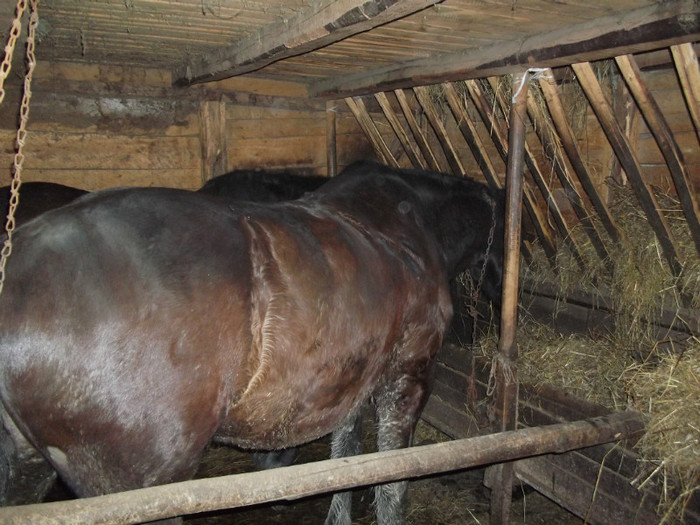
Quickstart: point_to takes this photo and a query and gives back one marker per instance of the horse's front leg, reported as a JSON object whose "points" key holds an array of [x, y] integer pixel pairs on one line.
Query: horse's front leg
{"points": [[399, 406], [346, 441]]}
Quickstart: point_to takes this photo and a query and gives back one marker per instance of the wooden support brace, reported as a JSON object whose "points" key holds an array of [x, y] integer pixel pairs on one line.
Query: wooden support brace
{"points": [[212, 136], [408, 146], [505, 363], [687, 68], [298, 481], [499, 140], [423, 96], [539, 178], [667, 144], [331, 140], [628, 160], [556, 110], [357, 106], [418, 134]]}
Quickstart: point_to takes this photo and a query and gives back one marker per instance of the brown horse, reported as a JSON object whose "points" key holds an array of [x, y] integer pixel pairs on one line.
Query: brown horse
{"points": [[138, 325]]}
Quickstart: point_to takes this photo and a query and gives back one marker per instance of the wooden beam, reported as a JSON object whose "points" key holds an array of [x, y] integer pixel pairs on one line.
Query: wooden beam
{"points": [[658, 25], [418, 134], [212, 137], [545, 131], [299, 481], [331, 139], [357, 106], [431, 112], [556, 110], [319, 25], [539, 178], [499, 140], [468, 130], [408, 145], [505, 366], [667, 144], [591, 87], [687, 67]]}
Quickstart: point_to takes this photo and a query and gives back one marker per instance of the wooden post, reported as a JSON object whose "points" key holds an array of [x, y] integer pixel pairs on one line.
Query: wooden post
{"points": [[212, 135], [331, 150], [505, 363], [298, 481]]}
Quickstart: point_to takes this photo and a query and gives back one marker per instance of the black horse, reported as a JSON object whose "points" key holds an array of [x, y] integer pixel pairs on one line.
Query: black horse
{"points": [[138, 325]]}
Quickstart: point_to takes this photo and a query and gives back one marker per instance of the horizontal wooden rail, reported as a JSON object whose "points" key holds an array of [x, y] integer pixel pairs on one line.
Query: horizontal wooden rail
{"points": [[299, 481]]}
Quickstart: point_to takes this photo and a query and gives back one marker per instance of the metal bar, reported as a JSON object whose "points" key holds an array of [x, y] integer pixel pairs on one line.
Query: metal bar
{"points": [[298, 481]]}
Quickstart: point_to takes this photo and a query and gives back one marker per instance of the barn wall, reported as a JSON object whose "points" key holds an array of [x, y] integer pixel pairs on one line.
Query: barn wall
{"points": [[95, 127]]}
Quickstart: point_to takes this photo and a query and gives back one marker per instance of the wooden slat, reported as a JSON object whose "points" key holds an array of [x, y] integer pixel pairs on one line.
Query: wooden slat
{"points": [[626, 156], [556, 110], [499, 140], [423, 96], [646, 28], [418, 134], [468, 130], [551, 146], [687, 67], [664, 138], [357, 106], [317, 26], [408, 145], [539, 178]]}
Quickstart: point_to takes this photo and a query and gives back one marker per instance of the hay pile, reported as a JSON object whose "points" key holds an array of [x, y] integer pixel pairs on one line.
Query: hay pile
{"points": [[636, 365]]}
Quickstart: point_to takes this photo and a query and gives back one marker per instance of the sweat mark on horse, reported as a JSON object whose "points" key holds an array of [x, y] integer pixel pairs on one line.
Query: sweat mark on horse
{"points": [[123, 355]]}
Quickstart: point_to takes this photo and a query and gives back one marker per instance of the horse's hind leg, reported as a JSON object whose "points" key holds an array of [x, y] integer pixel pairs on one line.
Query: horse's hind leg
{"points": [[25, 475], [398, 407], [347, 441]]}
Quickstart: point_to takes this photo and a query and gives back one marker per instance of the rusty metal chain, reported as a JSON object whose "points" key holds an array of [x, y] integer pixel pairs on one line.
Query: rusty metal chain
{"points": [[24, 117]]}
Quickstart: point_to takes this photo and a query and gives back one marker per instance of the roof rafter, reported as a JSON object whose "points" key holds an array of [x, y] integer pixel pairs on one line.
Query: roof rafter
{"points": [[658, 25], [321, 24]]}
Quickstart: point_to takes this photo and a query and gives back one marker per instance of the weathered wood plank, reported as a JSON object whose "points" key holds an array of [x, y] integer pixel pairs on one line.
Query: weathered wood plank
{"points": [[646, 28], [331, 140], [626, 156], [664, 138], [317, 26]]}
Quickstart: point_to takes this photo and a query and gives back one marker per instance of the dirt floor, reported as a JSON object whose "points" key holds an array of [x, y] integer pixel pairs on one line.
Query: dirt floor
{"points": [[451, 499]]}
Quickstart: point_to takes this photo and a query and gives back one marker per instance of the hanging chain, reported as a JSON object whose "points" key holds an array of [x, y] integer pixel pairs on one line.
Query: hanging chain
{"points": [[477, 290], [24, 117]]}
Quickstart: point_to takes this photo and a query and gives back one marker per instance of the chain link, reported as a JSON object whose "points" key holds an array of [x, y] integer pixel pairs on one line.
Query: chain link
{"points": [[24, 117]]}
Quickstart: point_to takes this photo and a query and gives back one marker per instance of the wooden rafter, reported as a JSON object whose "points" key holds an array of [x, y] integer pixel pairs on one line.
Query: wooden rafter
{"points": [[468, 130], [539, 178], [418, 134], [431, 112], [554, 152], [556, 111], [687, 68], [628, 160], [500, 141], [319, 25], [409, 147], [650, 27], [357, 106], [664, 138]]}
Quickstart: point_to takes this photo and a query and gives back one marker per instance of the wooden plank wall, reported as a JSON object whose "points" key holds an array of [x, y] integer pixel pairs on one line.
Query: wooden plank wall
{"points": [[95, 127]]}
